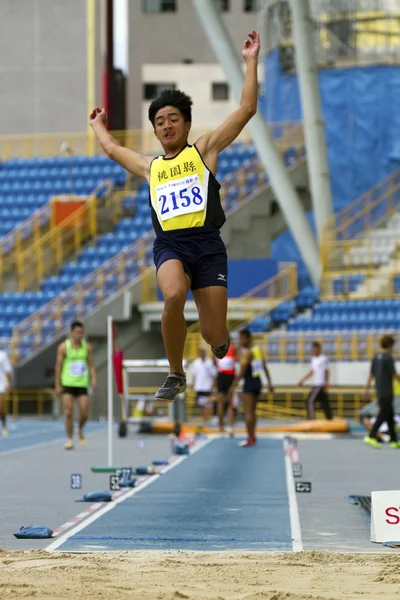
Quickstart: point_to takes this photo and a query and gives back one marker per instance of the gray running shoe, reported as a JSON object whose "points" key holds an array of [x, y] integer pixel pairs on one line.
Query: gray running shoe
{"points": [[174, 384], [221, 351]]}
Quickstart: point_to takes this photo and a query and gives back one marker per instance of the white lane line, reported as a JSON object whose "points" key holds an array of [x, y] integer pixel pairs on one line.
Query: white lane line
{"points": [[297, 542], [111, 505]]}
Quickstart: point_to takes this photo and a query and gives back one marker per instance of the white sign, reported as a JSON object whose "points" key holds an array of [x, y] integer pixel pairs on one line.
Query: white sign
{"points": [[385, 516]]}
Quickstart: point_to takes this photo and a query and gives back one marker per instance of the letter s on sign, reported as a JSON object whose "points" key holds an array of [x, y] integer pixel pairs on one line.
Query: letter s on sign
{"points": [[391, 512]]}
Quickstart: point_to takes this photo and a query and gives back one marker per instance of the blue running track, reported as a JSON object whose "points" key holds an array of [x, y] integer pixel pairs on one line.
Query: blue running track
{"points": [[221, 498], [28, 433]]}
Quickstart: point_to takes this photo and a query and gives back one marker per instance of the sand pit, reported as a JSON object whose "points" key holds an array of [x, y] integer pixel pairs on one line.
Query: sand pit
{"points": [[199, 576]]}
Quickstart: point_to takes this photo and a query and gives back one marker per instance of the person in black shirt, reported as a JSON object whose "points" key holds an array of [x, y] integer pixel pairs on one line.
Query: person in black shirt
{"points": [[383, 370]]}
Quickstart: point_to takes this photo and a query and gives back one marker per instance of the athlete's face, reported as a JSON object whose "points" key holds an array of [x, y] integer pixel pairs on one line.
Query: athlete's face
{"points": [[171, 129], [244, 341], [315, 351], [77, 334]]}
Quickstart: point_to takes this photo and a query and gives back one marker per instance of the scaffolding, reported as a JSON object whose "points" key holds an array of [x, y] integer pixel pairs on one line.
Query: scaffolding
{"points": [[347, 32]]}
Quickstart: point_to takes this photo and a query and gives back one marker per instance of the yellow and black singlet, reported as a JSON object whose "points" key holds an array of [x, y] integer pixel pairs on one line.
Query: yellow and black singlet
{"points": [[255, 368], [184, 194]]}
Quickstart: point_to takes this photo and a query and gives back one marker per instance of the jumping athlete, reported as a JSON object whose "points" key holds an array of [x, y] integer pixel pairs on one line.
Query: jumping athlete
{"points": [[74, 369], [187, 213], [251, 368]]}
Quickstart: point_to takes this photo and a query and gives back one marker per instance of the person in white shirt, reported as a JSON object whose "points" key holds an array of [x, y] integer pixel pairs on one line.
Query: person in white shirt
{"points": [[319, 392], [5, 387], [203, 373]]}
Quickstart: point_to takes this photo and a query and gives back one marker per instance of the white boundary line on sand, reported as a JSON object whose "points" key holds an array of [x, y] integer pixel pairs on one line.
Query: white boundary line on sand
{"points": [[110, 505], [297, 542]]}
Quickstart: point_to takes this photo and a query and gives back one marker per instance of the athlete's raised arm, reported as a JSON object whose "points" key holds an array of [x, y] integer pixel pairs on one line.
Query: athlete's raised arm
{"points": [[211, 144], [131, 161]]}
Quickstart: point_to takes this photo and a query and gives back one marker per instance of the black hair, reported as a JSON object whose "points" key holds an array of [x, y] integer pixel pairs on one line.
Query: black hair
{"points": [[245, 332], [174, 98], [316, 345], [387, 342], [76, 324]]}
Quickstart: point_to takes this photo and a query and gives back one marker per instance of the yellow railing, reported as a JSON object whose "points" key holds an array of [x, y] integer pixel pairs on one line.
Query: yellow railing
{"points": [[288, 403], [37, 230], [49, 252], [26, 233], [367, 210], [293, 346], [141, 140], [26, 401], [257, 301], [363, 284], [45, 145], [352, 247], [52, 319]]}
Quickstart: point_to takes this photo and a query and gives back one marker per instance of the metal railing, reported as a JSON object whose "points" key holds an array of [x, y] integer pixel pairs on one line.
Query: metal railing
{"points": [[288, 403], [82, 143], [49, 252], [366, 212], [293, 346], [51, 320], [34, 234], [26, 401], [257, 301], [352, 247]]}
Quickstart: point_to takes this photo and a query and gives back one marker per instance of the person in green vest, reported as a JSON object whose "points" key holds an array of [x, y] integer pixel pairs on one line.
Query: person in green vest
{"points": [[75, 369]]}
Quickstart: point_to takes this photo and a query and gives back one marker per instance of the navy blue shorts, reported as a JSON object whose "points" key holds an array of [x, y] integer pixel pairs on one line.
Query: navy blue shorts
{"points": [[201, 252], [252, 386]]}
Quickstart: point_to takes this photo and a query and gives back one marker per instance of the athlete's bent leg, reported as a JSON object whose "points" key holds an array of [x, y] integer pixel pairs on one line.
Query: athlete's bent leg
{"points": [[83, 403], [220, 405], [249, 405], [174, 284], [212, 304], [68, 405]]}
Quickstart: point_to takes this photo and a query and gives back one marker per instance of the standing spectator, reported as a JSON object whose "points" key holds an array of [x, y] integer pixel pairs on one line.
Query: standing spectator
{"points": [[226, 374], [383, 370], [5, 388], [203, 372], [319, 393]]}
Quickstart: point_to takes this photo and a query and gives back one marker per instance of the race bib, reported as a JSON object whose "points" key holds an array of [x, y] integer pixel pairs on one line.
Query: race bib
{"points": [[180, 197], [226, 364], [257, 366], [78, 368]]}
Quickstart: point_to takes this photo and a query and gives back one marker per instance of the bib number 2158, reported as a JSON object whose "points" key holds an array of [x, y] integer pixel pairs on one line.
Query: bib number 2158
{"points": [[186, 197]]}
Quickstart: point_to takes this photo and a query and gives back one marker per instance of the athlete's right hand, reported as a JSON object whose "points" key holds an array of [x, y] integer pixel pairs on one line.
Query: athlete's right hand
{"points": [[58, 390], [98, 115]]}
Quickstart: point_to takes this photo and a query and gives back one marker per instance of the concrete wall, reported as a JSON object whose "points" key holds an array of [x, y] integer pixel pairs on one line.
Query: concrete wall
{"points": [[169, 38], [43, 65], [196, 80], [250, 229]]}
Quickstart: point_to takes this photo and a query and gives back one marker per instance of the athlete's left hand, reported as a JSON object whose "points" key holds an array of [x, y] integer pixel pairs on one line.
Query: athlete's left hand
{"points": [[251, 47], [271, 389]]}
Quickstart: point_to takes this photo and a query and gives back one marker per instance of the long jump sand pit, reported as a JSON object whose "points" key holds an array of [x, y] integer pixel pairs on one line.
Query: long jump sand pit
{"points": [[199, 576]]}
